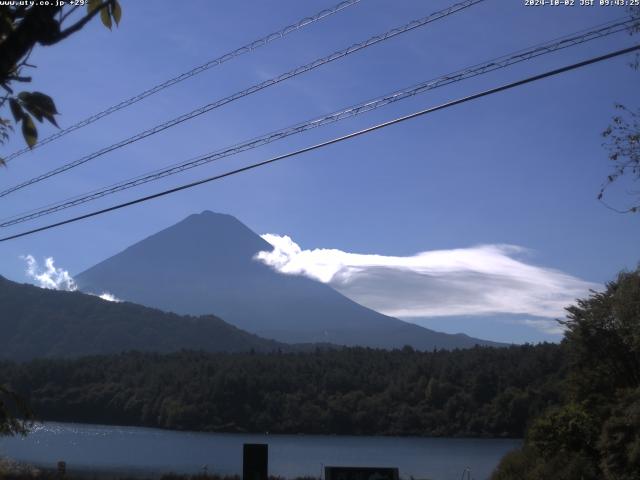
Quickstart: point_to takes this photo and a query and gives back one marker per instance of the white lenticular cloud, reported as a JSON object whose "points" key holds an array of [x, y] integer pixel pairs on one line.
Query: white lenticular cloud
{"points": [[54, 278], [545, 325], [481, 280]]}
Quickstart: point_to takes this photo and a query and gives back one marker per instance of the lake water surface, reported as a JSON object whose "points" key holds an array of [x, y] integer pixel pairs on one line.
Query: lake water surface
{"points": [[153, 451]]}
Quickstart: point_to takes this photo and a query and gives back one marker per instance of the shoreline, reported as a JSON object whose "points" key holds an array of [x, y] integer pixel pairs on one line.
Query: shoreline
{"points": [[271, 434]]}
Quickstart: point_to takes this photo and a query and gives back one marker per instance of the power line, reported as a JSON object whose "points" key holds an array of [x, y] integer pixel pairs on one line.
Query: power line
{"points": [[249, 47], [317, 146], [248, 91], [469, 72]]}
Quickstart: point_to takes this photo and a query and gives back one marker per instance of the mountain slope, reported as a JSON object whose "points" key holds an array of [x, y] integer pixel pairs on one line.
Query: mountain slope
{"points": [[35, 322], [204, 264]]}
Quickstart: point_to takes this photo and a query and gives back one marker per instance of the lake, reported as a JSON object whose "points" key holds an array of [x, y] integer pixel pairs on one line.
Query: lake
{"points": [[154, 451]]}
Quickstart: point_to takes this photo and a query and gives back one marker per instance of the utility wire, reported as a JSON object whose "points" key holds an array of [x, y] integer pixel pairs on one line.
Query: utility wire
{"points": [[253, 89], [317, 146], [249, 47], [469, 72]]}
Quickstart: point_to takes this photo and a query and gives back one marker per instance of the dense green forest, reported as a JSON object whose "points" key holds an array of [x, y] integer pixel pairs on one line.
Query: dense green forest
{"points": [[594, 433], [482, 391]]}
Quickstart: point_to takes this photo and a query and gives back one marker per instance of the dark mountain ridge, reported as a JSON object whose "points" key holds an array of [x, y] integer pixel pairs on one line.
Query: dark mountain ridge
{"points": [[35, 323], [205, 264]]}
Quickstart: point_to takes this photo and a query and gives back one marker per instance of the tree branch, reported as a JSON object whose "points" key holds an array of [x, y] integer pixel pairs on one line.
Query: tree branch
{"points": [[38, 25], [81, 23], [71, 10]]}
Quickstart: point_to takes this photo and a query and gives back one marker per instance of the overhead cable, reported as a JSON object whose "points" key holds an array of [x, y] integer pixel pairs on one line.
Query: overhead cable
{"points": [[317, 146], [466, 73], [249, 47], [248, 91]]}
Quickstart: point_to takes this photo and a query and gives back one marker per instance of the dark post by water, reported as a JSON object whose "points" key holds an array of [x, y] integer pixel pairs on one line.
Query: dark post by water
{"points": [[255, 461]]}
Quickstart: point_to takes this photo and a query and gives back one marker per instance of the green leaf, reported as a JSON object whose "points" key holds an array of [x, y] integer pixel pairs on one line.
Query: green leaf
{"points": [[29, 131], [39, 105], [16, 109], [51, 119], [44, 102], [92, 5], [33, 110], [116, 12], [105, 16]]}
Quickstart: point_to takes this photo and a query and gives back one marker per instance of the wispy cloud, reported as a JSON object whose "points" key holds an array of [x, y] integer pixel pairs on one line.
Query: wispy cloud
{"points": [[49, 277], [55, 278], [481, 280], [109, 297]]}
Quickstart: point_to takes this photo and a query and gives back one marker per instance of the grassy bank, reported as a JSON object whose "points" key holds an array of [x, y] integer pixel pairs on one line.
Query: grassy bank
{"points": [[10, 470]]}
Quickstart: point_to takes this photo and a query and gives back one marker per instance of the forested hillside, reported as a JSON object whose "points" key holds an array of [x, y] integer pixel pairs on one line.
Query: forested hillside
{"points": [[36, 323], [594, 434], [482, 391]]}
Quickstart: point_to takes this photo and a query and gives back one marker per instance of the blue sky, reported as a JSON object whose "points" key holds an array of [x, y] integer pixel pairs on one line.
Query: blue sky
{"points": [[519, 168]]}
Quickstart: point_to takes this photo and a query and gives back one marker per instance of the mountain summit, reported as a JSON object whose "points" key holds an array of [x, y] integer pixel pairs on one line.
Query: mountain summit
{"points": [[205, 265]]}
